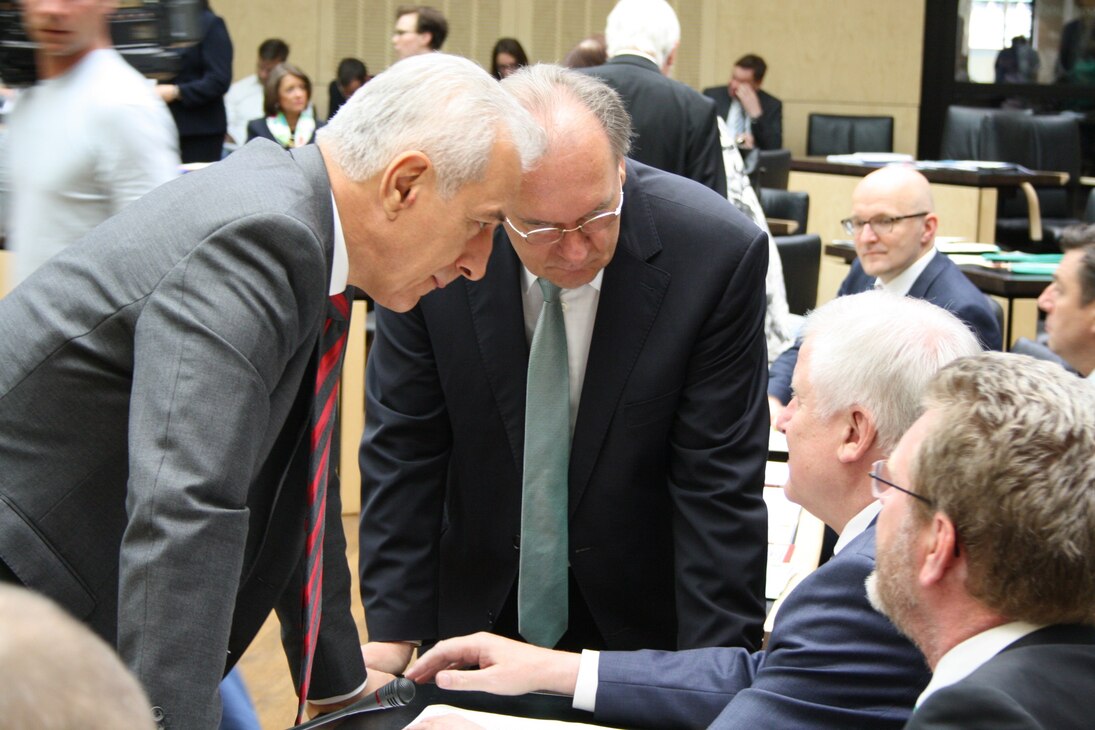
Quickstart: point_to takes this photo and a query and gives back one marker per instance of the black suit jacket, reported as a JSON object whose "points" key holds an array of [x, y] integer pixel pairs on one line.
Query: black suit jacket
{"points": [[1044, 681], [941, 283], [767, 129], [667, 524], [204, 76], [674, 125], [155, 394]]}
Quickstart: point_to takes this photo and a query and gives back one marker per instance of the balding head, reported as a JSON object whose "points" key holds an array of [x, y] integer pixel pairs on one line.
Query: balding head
{"points": [[898, 204]]}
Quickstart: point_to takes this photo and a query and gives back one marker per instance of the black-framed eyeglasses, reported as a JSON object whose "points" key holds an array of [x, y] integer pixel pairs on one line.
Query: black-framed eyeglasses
{"points": [[880, 484], [879, 224], [594, 224]]}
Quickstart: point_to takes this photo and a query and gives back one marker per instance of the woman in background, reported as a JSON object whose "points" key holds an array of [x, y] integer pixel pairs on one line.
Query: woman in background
{"points": [[507, 57], [289, 119]]}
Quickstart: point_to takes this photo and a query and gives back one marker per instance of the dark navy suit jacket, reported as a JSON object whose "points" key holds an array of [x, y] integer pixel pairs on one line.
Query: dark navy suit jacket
{"points": [[832, 661], [666, 520], [1044, 681], [768, 129], [941, 283]]}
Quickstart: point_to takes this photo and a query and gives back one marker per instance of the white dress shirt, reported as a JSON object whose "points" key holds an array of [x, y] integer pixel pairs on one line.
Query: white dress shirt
{"points": [[963, 659], [579, 313], [903, 282]]}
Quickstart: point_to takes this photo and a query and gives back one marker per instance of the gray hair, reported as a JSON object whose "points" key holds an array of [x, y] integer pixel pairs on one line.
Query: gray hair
{"points": [[446, 107], [647, 26], [543, 87], [879, 351], [1011, 461]]}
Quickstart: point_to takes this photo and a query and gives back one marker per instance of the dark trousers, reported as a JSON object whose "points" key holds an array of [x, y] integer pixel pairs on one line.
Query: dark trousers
{"points": [[201, 147]]}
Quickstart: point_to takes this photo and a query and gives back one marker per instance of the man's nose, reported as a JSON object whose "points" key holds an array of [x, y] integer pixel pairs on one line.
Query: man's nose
{"points": [[473, 264]]}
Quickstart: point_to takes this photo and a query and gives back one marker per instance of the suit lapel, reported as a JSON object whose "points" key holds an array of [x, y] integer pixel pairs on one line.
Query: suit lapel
{"points": [[631, 295], [919, 289], [497, 314]]}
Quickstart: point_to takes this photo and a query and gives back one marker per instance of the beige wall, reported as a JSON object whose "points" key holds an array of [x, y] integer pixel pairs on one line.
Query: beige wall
{"points": [[836, 56]]}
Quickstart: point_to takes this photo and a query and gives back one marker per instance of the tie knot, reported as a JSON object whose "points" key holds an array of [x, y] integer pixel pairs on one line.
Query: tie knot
{"points": [[550, 291]]}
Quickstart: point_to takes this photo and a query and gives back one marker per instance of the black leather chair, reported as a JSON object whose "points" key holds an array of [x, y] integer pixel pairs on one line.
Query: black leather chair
{"points": [[1031, 219], [800, 252], [964, 131], [773, 169], [800, 256], [834, 134], [786, 205]]}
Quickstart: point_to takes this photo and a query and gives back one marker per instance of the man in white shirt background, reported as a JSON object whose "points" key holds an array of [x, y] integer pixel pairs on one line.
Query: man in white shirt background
{"points": [[986, 545], [90, 137], [243, 102]]}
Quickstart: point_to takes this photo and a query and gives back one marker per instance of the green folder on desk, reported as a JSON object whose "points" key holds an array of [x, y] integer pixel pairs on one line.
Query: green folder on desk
{"points": [[1031, 264]]}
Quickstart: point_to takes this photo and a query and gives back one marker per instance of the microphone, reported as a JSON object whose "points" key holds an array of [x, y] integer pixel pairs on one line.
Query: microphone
{"points": [[397, 693]]}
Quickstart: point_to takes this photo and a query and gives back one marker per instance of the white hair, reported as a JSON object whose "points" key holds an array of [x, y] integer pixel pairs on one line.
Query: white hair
{"points": [[444, 106], [878, 351], [647, 26]]}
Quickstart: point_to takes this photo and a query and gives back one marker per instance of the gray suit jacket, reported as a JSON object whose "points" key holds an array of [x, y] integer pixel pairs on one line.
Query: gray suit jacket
{"points": [[153, 456]]}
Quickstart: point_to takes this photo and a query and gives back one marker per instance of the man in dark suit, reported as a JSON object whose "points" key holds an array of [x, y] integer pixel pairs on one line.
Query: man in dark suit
{"points": [[753, 116], [986, 545], [675, 126], [662, 284], [1069, 302], [893, 226], [158, 378], [831, 661]]}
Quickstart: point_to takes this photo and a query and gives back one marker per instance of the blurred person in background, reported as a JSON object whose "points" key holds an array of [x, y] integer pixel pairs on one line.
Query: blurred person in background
{"points": [[87, 139], [418, 29], [507, 57], [352, 75], [196, 95], [244, 99], [588, 52], [289, 119]]}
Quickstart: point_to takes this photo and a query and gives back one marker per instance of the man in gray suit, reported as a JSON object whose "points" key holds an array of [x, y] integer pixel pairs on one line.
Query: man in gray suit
{"points": [[156, 380]]}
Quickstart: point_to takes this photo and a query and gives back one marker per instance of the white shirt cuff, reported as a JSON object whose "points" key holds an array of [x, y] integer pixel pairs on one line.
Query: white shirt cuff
{"points": [[340, 698], [585, 690]]}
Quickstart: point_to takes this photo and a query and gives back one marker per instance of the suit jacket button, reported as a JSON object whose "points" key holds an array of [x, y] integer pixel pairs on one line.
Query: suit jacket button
{"points": [[517, 541], [158, 717]]}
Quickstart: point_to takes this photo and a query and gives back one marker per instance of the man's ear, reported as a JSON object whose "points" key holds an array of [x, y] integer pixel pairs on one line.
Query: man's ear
{"points": [[402, 181], [931, 225], [943, 554], [858, 435]]}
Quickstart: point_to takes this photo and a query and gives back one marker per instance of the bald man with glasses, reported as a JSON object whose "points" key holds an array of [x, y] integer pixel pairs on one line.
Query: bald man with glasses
{"points": [[659, 434], [893, 225]]}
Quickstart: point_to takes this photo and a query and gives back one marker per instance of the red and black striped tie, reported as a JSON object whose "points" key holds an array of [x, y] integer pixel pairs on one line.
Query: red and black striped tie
{"points": [[324, 408]]}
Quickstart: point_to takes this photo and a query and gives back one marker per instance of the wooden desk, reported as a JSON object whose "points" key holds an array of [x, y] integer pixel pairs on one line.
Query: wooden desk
{"points": [[964, 201], [1017, 294]]}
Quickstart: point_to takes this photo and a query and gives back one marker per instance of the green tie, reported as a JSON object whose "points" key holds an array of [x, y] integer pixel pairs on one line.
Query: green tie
{"points": [[542, 589]]}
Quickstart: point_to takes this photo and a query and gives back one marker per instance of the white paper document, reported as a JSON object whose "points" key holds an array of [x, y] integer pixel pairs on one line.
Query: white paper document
{"points": [[491, 721]]}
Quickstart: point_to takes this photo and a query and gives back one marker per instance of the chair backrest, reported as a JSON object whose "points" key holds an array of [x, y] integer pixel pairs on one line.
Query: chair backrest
{"points": [[786, 204], [1089, 209], [801, 259], [773, 169], [964, 131], [834, 134], [1038, 142]]}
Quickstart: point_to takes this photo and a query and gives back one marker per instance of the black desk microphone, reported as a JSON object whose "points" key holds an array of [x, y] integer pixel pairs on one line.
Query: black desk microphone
{"points": [[397, 693]]}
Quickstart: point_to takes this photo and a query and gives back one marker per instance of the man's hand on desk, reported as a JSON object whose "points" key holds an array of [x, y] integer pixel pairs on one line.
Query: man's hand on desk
{"points": [[506, 667], [387, 656]]}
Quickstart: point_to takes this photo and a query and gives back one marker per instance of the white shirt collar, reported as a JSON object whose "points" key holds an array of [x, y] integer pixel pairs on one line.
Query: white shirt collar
{"points": [[340, 262], [903, 282], [964, 658], [528, 279], [857, 525]]}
